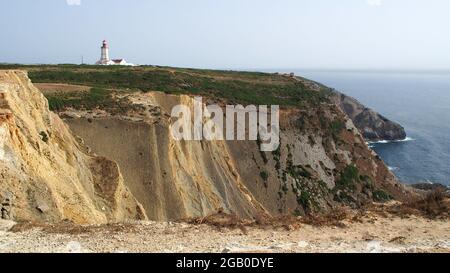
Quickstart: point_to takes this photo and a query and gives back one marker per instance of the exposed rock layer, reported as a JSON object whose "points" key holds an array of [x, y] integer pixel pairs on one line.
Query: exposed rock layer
{"points": [[44, 175], [47, 174], [176, 180]]}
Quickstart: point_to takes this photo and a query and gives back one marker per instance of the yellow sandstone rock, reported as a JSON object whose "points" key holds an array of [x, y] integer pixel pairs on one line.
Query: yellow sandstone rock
{"points": [[43, 167]]}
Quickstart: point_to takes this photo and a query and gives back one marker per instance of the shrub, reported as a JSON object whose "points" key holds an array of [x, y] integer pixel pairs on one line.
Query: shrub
{"points": [[304, 198], [434, 204], [381, 196], [264, 175], [336, 127], [349, 177], [44, 136], [298, 171]]}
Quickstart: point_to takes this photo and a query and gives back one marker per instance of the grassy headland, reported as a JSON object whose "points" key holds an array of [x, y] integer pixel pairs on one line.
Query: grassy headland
{"points": [[231, 86]]}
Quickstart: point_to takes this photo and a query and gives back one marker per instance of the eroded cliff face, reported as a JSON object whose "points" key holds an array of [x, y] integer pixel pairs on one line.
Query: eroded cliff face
{"points": [[48, 174], [322, 162], [44, 174], [172, 179]]}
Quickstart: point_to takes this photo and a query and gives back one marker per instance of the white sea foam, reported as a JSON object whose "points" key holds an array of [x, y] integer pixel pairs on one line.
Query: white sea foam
{"points": [[372, 143], [406, 139], [393, 168]]}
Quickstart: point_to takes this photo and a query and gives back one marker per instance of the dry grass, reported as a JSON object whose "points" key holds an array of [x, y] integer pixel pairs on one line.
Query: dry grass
{"points": [[333, 218], [434, 205], [67, 227], [221, 220], [288, 222]]}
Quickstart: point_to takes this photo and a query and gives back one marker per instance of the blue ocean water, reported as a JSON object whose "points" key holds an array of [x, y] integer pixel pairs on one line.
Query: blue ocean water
{"points": [[418, 101]]}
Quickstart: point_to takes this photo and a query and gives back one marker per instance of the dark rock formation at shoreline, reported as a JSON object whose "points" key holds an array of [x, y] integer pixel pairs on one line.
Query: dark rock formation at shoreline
{"points": [[372, 125], [430, 186]]}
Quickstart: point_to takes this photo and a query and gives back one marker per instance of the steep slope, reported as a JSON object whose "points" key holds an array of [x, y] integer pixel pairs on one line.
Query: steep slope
{"points": [[322, 162], [172, 179], [44, 174]]}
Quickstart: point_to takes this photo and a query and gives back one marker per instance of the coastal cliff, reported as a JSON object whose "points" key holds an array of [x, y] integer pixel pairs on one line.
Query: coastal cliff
{"points": [[372, 125], [44, 173], [123, 163]]}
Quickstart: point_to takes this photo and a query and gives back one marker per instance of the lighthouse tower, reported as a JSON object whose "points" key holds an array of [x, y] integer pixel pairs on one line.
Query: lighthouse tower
{"points": [[105, 60], [105, 53]]}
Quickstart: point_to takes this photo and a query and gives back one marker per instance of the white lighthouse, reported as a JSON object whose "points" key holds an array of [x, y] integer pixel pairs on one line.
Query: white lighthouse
{"points": [[105, 52], [104, 58]]}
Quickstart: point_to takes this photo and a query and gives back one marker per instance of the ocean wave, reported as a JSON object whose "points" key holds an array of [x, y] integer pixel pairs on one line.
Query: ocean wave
{"points": [[406, 139], [372, 143], [393, 168]]}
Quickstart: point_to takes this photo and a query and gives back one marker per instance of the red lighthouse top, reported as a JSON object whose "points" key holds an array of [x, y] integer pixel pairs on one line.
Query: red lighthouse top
{"points": [[105, 43]]}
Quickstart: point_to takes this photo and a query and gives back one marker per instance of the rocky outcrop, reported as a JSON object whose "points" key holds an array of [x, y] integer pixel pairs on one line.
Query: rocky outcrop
{"points": [[44, 173], [6, 206], [372, 125], [428, 186]]}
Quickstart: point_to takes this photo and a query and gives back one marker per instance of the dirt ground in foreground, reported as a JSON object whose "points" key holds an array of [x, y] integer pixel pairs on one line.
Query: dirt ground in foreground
{"points": [[372, 233]]}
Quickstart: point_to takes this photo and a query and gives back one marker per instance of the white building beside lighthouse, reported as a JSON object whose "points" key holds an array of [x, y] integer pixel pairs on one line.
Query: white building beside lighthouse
{"points": [[104, 57]]}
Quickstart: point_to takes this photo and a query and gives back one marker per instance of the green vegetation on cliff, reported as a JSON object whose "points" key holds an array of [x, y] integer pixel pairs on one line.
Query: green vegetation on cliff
{"points": [[96, 97], [231, 86]]}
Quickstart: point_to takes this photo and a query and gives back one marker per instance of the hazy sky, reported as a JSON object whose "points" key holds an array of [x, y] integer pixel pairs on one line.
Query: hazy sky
{"points": [[393, 34]]}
